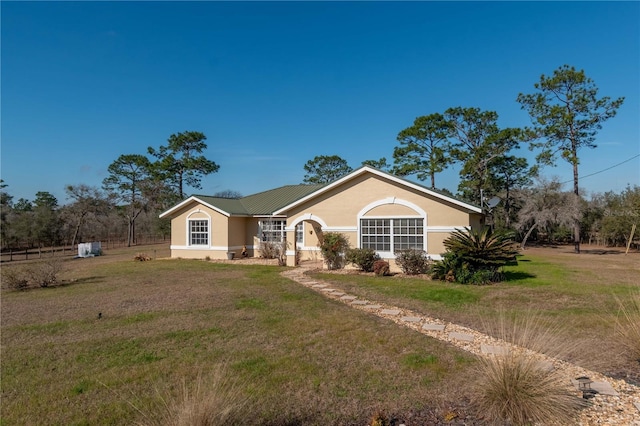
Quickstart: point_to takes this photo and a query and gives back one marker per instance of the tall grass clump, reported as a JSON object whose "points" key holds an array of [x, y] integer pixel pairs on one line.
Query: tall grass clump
{"points": [[216, 401], [628, 324], [519, 387]]}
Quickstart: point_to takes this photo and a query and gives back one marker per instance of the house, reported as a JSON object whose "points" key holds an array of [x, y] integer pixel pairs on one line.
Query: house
{"points": [[374, 209]]}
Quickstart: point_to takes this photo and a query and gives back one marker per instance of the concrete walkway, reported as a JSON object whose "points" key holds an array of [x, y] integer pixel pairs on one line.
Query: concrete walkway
{"points": [[617, 402]]}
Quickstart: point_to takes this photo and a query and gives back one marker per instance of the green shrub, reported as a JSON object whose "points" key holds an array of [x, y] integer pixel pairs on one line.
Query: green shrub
{"points": [[444, 270], [482, 249], [413, 262], [333, 247], [381, 268], [363, 258], [475, 257]]}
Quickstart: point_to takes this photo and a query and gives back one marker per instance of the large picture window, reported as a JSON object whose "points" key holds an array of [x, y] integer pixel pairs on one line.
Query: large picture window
{"points": [[392, 235], [272, 230], [198, 232]]}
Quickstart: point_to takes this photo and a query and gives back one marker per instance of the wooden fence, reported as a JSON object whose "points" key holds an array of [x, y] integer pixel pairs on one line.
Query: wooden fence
{"points": [[10, 255]]}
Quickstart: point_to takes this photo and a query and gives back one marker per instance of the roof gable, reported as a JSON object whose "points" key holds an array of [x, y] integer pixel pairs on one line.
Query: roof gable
{"points": [[204, 200], [277, 201], [368, 169]]}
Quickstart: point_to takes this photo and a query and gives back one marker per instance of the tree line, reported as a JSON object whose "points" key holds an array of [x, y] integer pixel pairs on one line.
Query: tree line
{"points": [[566, 113], [135, 190]]}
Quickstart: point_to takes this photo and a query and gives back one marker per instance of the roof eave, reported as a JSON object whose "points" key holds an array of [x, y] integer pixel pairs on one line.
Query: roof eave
{"points": [[364, 169], [189, 200]]}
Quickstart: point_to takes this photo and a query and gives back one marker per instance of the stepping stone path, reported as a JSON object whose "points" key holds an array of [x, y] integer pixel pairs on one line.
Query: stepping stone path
{"points": [[616, 403], [465, 337], [494, 350], [434, 327]]}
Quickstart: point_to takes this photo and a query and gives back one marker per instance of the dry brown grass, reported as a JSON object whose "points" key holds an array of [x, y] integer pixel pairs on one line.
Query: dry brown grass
{"points": [[516, 387], [628, 324], [214, 400]]}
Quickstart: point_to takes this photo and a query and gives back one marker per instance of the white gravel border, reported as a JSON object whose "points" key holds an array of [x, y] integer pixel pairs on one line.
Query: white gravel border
{"points": [[618, 405]]}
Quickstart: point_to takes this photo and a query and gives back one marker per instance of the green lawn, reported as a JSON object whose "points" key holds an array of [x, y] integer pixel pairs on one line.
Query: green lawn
{"points": [[576, 296], [297, 357], [292, 355]]}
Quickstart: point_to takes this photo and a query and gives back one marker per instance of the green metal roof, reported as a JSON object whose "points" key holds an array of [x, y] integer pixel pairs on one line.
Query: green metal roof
{"points": [[262, 203]]}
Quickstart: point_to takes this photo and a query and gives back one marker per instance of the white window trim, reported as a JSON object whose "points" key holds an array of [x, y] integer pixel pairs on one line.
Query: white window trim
{"points": [[188, 230], [299, 244], [283, 229], [308, 217], [421, 214], [390, 254]]}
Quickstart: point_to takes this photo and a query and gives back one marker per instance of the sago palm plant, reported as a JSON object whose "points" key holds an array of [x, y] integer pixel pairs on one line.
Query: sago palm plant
{"points": [[482, 249], [476, 256]]}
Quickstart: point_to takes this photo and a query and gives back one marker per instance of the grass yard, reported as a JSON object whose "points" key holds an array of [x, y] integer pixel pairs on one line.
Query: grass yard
{"points": [[177, 335], [169, 329], [576, 296]]}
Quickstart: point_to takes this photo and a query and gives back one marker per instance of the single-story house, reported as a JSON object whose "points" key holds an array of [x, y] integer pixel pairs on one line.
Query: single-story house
{"points": [[374, 209]]}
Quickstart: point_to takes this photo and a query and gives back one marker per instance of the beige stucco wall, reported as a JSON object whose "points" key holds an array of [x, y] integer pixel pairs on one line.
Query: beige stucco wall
{"points": [[339, 206], [219, 233], [334, 211], [339, 209]]}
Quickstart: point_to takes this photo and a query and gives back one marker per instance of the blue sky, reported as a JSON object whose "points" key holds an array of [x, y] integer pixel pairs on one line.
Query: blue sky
{"points": [[274, 84]]}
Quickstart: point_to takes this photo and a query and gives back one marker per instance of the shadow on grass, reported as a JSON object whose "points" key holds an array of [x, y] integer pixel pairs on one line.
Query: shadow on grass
{"points": [[87, 280], [517, 275]]}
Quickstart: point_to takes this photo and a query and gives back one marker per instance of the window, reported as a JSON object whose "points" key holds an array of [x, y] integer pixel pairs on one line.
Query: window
{"points": [[300, 233], [376, 234], [198, 232], [408, 234], [392, 235], [272, 230]]}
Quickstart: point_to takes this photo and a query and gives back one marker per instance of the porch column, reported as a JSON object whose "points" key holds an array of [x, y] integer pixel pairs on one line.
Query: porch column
{"points": [[291, 246]]}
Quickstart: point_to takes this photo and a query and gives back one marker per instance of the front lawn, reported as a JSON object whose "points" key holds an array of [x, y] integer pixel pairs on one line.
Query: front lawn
{"points": [[121, 342], [575, 295]]}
